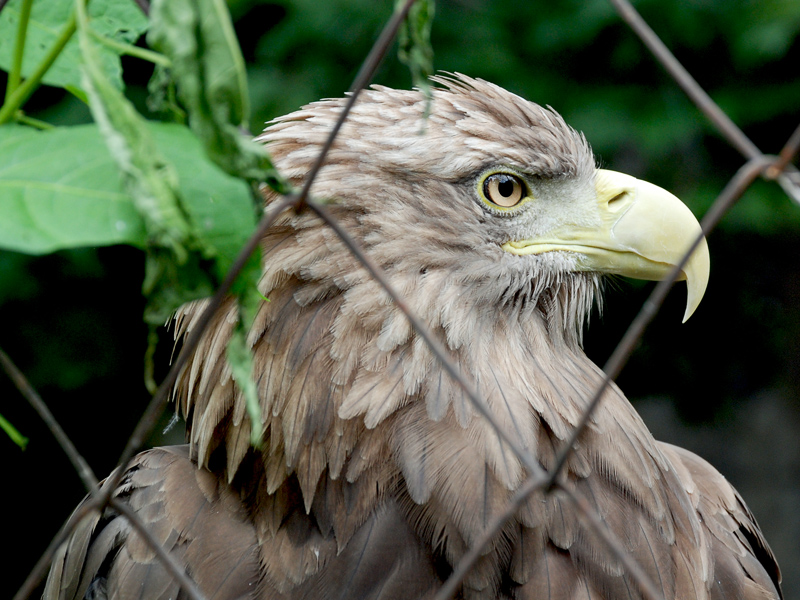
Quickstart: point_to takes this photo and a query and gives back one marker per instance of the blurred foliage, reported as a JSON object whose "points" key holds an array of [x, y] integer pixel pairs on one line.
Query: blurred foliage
{"points": [[578, 57], [119, 21], [72, 320]]}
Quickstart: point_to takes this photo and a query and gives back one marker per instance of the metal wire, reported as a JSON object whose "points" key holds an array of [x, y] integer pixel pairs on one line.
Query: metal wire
{"points": [[770, 167]]}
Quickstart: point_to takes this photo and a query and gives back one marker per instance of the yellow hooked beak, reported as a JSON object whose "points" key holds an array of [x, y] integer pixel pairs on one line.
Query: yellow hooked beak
{"points": [[643, 233]]}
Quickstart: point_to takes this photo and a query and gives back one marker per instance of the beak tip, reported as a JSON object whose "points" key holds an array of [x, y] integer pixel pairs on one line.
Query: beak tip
{"points": [[689, 312], [696, 271]]}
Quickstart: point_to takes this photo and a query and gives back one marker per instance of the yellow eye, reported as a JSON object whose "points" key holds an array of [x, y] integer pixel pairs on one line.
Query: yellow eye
{"points": [[503, 189]]}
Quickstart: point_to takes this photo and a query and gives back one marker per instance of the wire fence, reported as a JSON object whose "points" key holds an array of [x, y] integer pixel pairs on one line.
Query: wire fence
{"points": [[757, 165]]}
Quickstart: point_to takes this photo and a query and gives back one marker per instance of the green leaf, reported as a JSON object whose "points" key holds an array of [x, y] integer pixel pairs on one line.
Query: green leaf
{"points": [[147, 176], [16, 437], [61, 189], [220, 205], [414, 42], [169, 284], [178, 266], [240, 358], [119, 20], [198, 37]]}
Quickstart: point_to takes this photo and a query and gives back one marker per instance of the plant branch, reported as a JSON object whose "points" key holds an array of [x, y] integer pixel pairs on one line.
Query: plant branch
{"points": [[130, 50], [23, 92], [15, 74]]}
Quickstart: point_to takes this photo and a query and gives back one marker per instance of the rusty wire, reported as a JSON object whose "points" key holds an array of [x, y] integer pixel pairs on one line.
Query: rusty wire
{"points": [[21, 382], [177, 571], [723, 123], [758, 164]]}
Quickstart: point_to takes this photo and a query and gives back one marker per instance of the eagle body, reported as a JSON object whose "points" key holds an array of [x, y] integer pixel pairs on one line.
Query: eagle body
{"points": [[375, 474]]}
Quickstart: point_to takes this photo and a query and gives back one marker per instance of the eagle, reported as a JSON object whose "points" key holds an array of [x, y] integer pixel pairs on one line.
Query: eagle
{"points": [[375, 474]]}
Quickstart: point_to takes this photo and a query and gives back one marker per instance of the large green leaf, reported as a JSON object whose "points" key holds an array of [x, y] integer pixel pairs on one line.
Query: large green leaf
{"points": [[62, 189], [120, 20], [220, 205]]}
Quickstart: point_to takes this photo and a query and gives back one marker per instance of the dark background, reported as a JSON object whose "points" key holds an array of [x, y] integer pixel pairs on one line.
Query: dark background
{"points": [[726, 384]]}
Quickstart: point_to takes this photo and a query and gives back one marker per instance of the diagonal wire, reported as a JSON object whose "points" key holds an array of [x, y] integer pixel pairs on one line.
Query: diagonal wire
{"points": [[433, 344], [363, 77], [170, 564], [539, 478], [590, 518], [156, 405], [144, 6], [735, 136], [787, 154], [101, 497], [729, 195], [82, 467]]}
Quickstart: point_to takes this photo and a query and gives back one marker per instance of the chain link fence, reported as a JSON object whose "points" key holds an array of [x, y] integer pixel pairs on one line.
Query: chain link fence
{"points": [[775, 168]]}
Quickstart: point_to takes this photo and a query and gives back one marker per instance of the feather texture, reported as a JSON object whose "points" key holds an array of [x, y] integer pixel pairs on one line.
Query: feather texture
{"points": [[375, 475]]}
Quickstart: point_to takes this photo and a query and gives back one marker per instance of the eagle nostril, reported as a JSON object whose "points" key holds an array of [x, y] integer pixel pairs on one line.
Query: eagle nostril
{"points": [[618, 201]]}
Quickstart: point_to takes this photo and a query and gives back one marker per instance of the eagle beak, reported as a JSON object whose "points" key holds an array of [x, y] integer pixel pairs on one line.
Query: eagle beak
{"points": [[643, 232]]}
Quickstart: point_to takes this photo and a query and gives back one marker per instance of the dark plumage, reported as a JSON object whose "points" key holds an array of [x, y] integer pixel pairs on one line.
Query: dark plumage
{"points": [[375, 474]]}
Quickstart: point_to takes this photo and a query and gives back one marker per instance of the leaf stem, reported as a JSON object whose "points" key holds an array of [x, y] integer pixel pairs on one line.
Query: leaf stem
{"points": [[16, 437], [18, 97], [131, 50], [21, 117], [15, 74]]}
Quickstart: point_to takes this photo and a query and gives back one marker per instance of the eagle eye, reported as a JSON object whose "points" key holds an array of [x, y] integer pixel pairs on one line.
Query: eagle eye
{"points": [[504, 190]]}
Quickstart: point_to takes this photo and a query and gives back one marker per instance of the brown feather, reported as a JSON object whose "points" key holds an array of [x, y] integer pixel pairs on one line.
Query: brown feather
{"points": [[375, 475]]}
